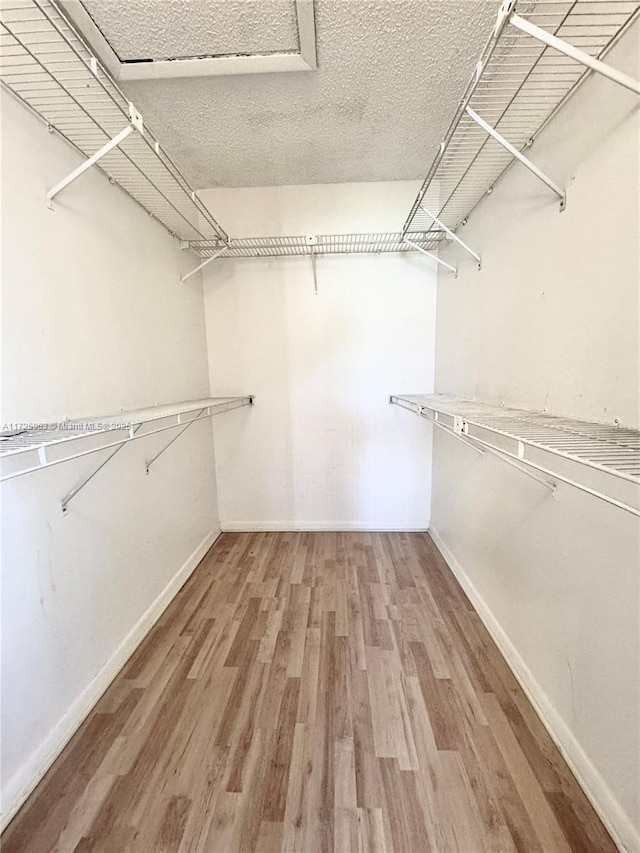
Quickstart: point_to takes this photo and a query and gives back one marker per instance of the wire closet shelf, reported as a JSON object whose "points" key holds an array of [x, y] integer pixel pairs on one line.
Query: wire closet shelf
{"points": [[325, 244], [518, 85], [47, 65], [555, 446], [29, 447]]}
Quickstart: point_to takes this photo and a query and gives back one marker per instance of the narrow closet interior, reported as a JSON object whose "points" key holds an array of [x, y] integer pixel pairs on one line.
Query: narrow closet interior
{"points": [[320, 446]]}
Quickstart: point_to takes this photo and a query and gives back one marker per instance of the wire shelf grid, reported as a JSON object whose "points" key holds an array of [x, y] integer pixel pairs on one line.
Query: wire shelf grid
{"points": [[107, 431], [326, 244], [609, 448], [49, 67], [521, 86]]}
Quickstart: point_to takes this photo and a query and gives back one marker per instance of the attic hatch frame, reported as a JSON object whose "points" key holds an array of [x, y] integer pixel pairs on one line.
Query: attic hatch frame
{"points": [[304, 59], [510, 84]]}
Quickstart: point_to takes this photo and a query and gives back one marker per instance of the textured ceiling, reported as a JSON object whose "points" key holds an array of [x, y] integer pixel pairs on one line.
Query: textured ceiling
{"points": [[390, 75]]}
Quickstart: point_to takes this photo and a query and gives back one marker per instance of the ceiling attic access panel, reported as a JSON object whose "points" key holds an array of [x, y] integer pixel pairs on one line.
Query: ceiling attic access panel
{"points": [[147, 40], [144, 30]]}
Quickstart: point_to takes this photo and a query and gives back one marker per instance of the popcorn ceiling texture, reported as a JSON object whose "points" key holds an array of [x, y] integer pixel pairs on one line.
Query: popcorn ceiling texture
{"points": [[390, 75], [166, 29]]}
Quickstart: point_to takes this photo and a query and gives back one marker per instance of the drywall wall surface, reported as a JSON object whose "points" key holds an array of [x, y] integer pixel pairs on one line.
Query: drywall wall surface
{"points": [[552, 321], [322, 448], [93, 320]]}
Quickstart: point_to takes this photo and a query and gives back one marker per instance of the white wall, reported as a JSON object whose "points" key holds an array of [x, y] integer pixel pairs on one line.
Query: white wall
{"points": [[94, 320], [552, 320], [322, 448]]}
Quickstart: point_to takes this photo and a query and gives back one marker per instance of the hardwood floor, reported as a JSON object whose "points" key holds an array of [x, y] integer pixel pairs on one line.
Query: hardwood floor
{"points": [[312, 692]]}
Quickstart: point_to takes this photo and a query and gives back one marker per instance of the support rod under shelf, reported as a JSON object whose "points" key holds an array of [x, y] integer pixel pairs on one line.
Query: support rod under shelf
{"points": [[110, 145], [431, 255], [66, 500], [175, 438], [203, 264], [453, 235], [135, 123], [519, 156]]}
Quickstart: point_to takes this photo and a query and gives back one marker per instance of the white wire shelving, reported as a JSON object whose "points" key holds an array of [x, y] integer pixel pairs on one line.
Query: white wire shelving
{"points": [[47, 64], [311, 246], [325, 244], [29, 447], [49, 67], [600, 459], [518, 85]]}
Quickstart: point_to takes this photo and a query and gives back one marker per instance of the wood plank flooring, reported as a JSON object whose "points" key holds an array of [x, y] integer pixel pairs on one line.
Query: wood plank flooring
{"points": [[312, 692]]}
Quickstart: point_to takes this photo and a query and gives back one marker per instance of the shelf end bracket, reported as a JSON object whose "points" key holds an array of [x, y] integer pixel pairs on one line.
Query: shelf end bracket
{"points": [[432, 256], [453, 236], [175, 438], [66, 500], [135, 123], [204, 264], [519, 156]]}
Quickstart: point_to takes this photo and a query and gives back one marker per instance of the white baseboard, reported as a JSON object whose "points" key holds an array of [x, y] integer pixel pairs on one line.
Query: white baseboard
{"points": [[318, 526], [32, 771], [613, 816]]}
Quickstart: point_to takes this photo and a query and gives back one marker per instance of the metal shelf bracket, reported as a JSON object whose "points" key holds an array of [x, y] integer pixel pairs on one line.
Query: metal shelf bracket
{"points": [[136, 123], [519, 156], [203, 264], [66, 500], [432, 256], [453, 236], [312, 241], [574, 53], [175, 438]]}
